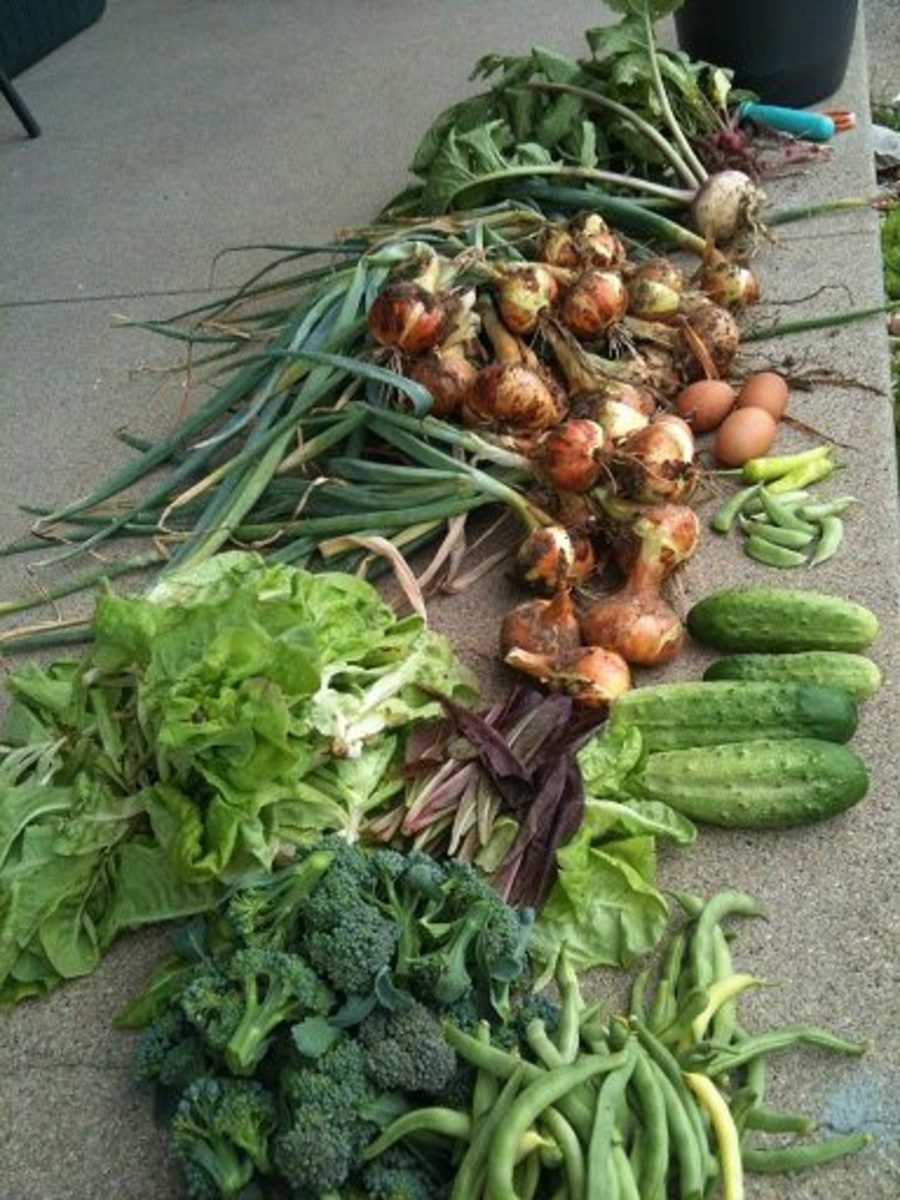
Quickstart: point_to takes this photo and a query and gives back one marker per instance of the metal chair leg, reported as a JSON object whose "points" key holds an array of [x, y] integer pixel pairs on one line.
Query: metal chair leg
{"points": [[19, 107]]}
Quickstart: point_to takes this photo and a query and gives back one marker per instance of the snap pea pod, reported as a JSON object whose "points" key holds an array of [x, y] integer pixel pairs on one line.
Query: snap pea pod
{"points": [[826, 508], [770, 468], [725, 516], [780, 1160], [811, 472], [533, 1100], [794, 539], [602, 1178], [783, 515], [771, 555], [773, 1120], [787, 500], [832, 536], [717, 1061], [654, 1163]]}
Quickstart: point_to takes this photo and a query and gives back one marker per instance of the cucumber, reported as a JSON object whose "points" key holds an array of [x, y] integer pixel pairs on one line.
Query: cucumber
{"points": [[754, 785], [777, 619], [856, 675], [674, 716]]}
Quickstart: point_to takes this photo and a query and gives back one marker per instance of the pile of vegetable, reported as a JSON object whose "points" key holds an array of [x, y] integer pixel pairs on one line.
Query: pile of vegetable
{"points": [[360, 1024], [236, 711]]}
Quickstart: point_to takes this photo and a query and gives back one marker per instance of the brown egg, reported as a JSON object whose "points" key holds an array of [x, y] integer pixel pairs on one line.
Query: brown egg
{"points": [[705, 404], [746, 434], [765, 390]]}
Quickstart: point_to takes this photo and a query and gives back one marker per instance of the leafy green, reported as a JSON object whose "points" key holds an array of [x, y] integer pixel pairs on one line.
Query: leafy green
{"points": [[605, 906], [236, 709]]}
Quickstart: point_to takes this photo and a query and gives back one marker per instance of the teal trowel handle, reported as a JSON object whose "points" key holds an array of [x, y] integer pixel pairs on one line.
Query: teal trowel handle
{"points": [[815, 127]]}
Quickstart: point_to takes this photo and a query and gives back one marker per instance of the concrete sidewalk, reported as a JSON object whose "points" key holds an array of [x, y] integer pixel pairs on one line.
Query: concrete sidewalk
{"points": [[174, 128]]}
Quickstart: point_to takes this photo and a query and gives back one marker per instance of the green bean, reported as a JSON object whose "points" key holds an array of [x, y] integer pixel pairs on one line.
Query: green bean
{"points": [[778, 1039], [787, 500], [694, 1003], [811, 472], [527, 1107], [637, 995], [484, 1093], [723, 904], [472, 1166], [651, 1105], [568, 1030], [601, 1177], [782, 514], [446, 1121], [774, 1120], [667, 1063], [794, 539], [808, 1154], [725, 516], [826, 508], [573, 1155], [628, 1189], [725, 1019], [503, 1064], [772, 555], [729, 1150], [663, 1010], [528, 1178], [832, 536], [540, 1042], [691, 1165]]}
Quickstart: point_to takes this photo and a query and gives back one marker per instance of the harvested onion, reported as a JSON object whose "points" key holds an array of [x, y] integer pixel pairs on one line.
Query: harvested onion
{"points": [[595, 301], [546, 627], [726, 205], [523, 292], [447, 374], [408, 317], [571, 455]]}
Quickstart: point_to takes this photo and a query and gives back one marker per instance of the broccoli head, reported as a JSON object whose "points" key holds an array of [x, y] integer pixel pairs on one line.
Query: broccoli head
{"points": [[212, 1005], [357, 945], [265, 913], [398, 1175], [323, 1131], [275, 988], [169, 1052], [220, 1133], [406, 1051]]}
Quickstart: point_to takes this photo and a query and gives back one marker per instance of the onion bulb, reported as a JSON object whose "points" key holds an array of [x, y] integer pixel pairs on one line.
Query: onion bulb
{"points": [[654, 290], [558, 247], [595, 301], [597, 245], [447, 374], [652, 465], [545, 558], [726, 205], [547, 627], [630, 395], [717, 333], [571, 455], [408, 317], [636, 623], [592, 676], [663, 537], [728, 283], [523, 292], [513, 396], [614, 417]]}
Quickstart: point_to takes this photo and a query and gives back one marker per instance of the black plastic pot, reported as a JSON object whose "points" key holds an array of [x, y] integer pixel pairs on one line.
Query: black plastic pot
{"points": [[791, 52]]}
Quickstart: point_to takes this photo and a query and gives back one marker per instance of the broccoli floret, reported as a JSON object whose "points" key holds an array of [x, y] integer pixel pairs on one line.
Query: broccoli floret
{"points": [[406, 1051], [220, 1133], [265, 914], [169, 1053], [275, 988], [212, 1005], [531, 1006], [324, 1132], [350, 953], [398, 1175]]}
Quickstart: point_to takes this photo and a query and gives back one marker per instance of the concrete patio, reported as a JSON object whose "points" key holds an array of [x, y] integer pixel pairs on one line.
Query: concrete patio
{"points": [[174, 128]]}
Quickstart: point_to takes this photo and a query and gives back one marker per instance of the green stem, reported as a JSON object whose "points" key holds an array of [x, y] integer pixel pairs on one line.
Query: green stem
{"points": [[111, 571], [644, 127], [662, 95], [803, 212], [831, 320], [559, 171]]}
